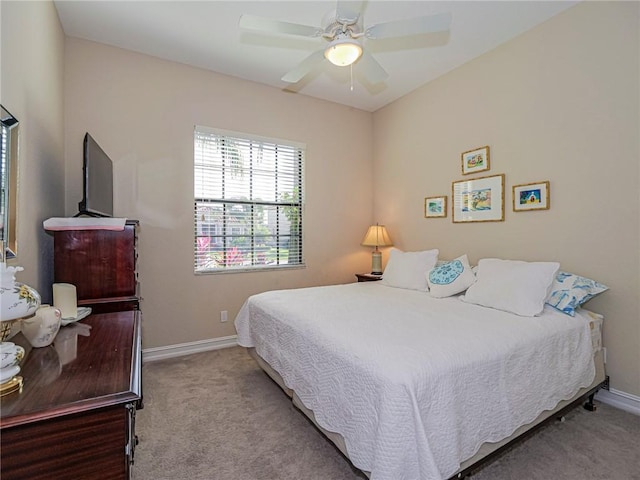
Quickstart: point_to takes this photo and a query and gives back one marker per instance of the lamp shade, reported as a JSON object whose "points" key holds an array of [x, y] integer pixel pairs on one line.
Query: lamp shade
{"points": [[377, 236], [343, 51]]}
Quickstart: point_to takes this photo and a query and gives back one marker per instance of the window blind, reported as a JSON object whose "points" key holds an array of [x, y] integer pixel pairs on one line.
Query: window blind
{"points": [[4, 175], [248, 204]]}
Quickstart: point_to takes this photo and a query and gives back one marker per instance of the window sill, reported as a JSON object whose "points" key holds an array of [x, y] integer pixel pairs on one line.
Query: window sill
{"points": [[250, 270]]}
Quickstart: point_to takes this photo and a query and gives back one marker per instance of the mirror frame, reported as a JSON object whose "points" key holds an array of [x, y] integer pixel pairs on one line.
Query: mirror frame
{"points": [[9, 184]]}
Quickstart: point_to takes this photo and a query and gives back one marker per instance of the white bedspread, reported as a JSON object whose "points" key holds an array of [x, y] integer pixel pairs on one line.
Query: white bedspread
{"points": [[415, 384]]}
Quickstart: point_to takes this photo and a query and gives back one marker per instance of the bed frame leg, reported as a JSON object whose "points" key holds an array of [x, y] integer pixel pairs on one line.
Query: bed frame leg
{"points": [[589, 405]]}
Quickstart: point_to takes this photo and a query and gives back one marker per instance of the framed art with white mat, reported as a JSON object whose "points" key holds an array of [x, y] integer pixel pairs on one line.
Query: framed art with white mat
{"points": [[478, 200], [531, 196]]}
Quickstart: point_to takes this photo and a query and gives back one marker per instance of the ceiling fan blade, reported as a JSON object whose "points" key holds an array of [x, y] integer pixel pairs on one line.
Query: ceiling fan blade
{"points": [[349, 11], [371, 69], [304, 67], [410, 26], [267, 25]]}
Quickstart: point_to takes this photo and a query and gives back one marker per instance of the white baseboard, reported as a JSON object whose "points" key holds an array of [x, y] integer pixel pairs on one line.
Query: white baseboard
{"points": [[178, 350], [622, 400]]}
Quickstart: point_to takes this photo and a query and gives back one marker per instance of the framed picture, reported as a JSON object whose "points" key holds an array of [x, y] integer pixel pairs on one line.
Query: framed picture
{"points": [[476, 160], [478, 200], [531, 196], [435, 207]]}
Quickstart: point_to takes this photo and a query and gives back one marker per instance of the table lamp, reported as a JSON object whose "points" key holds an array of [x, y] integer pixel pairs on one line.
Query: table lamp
{"points": [[376, 236]]}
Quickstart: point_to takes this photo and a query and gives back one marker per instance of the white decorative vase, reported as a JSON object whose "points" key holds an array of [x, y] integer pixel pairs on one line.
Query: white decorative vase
{"points": [[17, 300], [10, 354], [43, 327]]}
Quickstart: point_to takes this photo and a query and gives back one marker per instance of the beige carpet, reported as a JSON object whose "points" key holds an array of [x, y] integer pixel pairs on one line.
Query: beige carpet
{"points": [[216, 415]]}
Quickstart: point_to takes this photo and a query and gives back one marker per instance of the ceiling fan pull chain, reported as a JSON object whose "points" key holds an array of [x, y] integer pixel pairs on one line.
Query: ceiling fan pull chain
{"points": [[351, 68]]}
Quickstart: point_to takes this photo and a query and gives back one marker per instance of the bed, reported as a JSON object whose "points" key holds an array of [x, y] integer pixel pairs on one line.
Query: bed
{"points": [[409, 386]]}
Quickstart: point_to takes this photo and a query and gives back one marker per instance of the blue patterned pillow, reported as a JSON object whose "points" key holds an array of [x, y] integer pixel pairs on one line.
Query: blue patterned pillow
{"points": [[450, 278], [569, 291]]}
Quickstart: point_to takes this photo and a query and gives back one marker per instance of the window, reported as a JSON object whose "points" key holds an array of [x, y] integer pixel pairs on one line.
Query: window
{"points": [[248, 202]]}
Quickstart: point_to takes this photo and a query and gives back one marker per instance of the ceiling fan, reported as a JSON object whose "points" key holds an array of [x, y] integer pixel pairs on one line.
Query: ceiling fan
{"points": [[343, 30]]}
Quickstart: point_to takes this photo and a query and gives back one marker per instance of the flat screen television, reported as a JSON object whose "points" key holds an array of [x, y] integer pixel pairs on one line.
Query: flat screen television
{"points": [[97, 181]]}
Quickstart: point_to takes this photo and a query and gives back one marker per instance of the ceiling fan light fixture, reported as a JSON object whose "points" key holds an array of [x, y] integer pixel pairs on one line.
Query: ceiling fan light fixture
{"points": [[343, 51]]}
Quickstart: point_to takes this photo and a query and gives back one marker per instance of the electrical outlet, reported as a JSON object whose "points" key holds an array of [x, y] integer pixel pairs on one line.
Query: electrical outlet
{"points": [[223, 316]]}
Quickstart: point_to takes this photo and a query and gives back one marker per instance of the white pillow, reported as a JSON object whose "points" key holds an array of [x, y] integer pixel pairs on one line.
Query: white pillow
{"points": [[512, 285], [450, 278], [409, 269]]}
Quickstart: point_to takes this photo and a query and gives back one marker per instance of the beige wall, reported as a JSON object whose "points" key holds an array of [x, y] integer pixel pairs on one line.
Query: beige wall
{"points": [[32, 90], [142, 111], [559, 103]]}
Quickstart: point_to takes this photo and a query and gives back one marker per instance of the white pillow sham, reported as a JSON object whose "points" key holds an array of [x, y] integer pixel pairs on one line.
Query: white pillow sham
{"points": [[512, 285], [409, 269], [450, 278]]}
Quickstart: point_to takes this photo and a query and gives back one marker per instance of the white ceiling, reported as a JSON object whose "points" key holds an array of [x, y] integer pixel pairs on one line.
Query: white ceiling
{"points": [[205, 34]]}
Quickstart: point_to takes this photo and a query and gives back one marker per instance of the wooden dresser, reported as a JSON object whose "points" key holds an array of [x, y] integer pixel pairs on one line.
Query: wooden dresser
{"points": [[101, 264], [75, 416]]}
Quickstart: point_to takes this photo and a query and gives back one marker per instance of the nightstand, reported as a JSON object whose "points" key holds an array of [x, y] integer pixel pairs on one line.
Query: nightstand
{"points": [[368, 277]]}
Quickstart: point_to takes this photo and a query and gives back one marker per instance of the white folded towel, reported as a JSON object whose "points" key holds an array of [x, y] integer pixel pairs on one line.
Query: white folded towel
{"points": [[84, 223]]}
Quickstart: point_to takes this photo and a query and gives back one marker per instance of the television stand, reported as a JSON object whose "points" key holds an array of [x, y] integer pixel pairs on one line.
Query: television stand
{"points": [[84, 213]]}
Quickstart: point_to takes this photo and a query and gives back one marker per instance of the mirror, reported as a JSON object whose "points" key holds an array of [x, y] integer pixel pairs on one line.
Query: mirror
{"points": [[9, 185]]}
